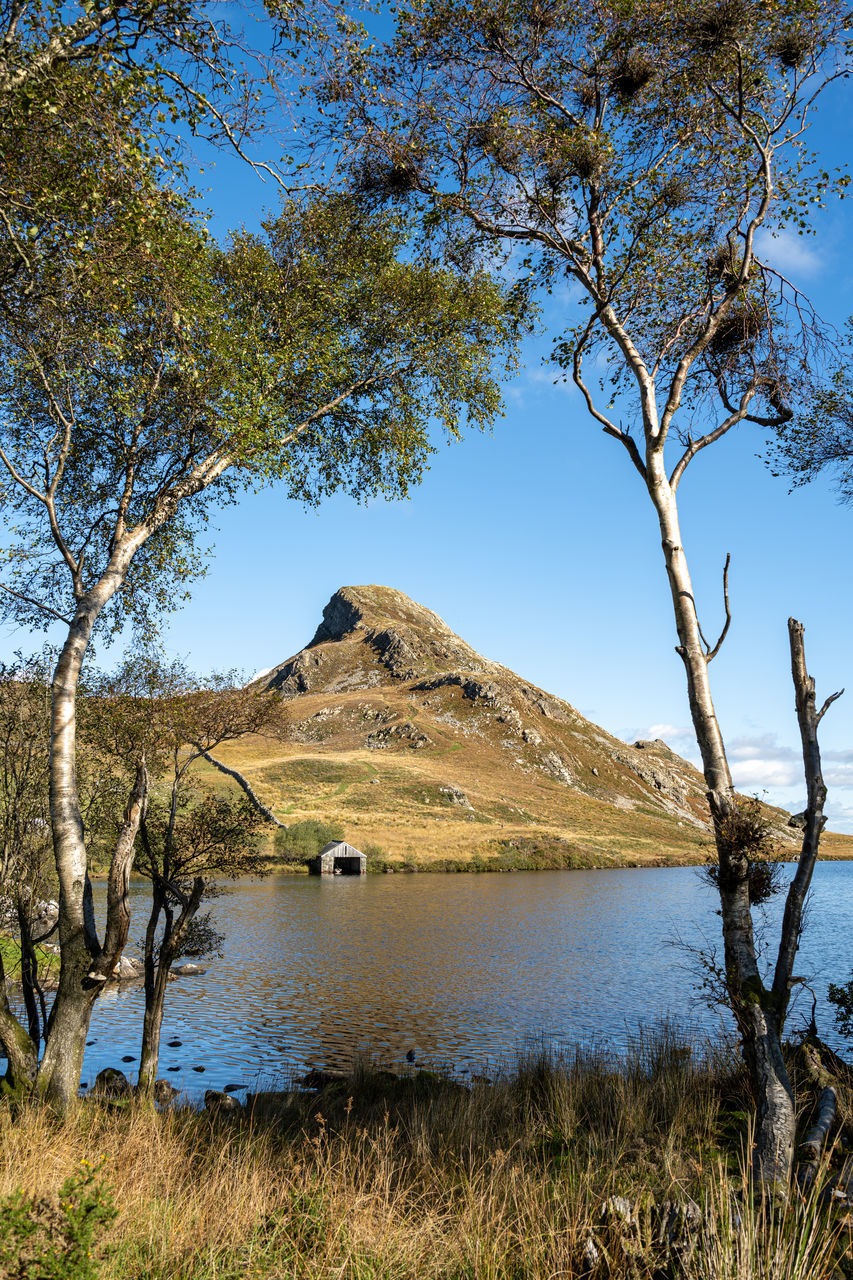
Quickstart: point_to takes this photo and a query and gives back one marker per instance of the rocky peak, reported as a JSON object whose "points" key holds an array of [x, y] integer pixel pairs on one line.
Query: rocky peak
{"points": [[408, 640]]}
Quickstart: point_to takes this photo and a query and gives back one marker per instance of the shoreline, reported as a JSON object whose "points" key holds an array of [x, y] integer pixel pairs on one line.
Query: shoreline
{"points": [[486, 866]]}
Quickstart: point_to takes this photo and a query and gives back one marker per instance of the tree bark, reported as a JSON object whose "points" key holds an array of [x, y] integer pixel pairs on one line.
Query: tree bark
{"points": [[152, 1022], [65, 1040], [59, 1075], [157, 978], [118, 883], [150, 1043]]}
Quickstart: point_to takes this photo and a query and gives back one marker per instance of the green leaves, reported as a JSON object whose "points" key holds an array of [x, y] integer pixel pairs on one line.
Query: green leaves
{"points": [[172, 374], [820, 436], [842, 998], [60, 1238]]}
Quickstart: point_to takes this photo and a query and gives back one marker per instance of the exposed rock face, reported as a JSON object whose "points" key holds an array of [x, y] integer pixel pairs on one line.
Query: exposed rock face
{"points": [[408, 734], [456, 796], [404, 637], [661, 774], [341, 616]]}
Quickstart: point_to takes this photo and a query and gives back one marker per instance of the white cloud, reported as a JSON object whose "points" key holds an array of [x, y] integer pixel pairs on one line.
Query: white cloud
{"points": [[680, 738], [791, 254], [839, 816], [667, 731], [762, 746], [749, 774]]}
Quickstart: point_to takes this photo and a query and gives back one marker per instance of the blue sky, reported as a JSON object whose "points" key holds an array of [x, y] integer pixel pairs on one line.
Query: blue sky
{"points": [[539, 546]]}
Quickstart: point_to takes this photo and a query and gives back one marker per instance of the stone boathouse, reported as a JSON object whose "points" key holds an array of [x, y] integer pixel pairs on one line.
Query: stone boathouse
{"points": [[338, 858]]}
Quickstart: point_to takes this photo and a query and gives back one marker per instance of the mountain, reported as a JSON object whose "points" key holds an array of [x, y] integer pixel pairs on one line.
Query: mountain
{"points": [[428, 753]]}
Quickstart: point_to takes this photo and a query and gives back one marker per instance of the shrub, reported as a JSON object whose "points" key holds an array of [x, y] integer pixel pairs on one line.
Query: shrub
{"points": [[842, 998], [55, 1241], [304, 840]]}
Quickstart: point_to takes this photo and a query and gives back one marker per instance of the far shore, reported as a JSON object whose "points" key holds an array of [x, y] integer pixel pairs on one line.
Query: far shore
{"points": [[840, 850]]}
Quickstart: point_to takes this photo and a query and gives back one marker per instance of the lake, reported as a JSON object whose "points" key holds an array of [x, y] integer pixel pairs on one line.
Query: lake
{"points": [[461, 969]]}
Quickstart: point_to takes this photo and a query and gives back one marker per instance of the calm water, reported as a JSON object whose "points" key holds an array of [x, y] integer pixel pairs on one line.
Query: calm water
{"points": [[462, 969]]}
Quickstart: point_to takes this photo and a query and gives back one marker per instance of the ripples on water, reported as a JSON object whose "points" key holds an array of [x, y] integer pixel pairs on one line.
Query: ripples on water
{"points": [[462, 969]]}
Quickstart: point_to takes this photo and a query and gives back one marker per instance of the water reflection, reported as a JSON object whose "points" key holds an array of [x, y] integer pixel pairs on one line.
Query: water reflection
{"points": [[459, 968]]}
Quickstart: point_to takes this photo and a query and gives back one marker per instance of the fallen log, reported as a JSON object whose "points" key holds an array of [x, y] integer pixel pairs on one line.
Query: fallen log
{"points": [[812, 1144]]}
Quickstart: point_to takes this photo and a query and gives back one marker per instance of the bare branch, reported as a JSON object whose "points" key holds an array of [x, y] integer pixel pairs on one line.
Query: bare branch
{"points": [[833, 697], [244, 785], [712, 653], [36, 604], [609, 427], [711, 437]]}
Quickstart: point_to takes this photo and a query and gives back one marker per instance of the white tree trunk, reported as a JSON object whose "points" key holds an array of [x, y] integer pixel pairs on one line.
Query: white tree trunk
{"points": [[755, 1009], [65, 1041]]}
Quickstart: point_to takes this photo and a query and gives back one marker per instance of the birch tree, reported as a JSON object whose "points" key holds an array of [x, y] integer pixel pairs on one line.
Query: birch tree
{"points": [[642, 151], [169, 376]]}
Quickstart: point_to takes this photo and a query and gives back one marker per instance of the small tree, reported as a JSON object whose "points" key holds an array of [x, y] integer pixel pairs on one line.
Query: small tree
{"points": [[186, 838], [640, 151], [188, 833]]}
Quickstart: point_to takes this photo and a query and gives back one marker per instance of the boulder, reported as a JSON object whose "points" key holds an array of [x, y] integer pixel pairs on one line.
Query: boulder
{"points": [[456, 796], [128, 968], [318, 1079], [164, 1092], [187, 970], [215, 1101], [111, 1083]]}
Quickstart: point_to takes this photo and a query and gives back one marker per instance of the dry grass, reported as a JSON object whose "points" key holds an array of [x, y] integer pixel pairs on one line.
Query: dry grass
{"points": [[421, 1178], [398, 800]]}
